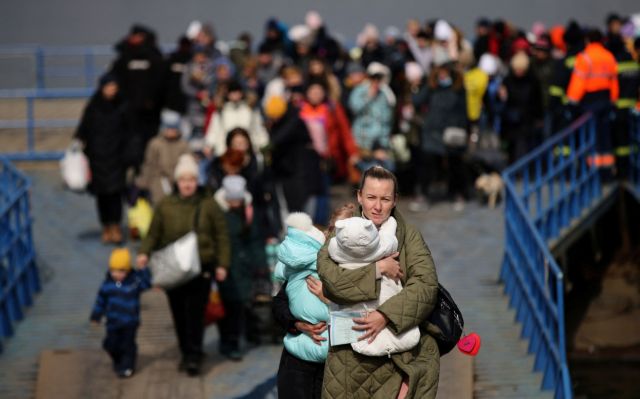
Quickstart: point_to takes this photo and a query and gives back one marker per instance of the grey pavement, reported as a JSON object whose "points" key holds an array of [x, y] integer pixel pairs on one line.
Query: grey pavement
{"points": [[467, 248]]}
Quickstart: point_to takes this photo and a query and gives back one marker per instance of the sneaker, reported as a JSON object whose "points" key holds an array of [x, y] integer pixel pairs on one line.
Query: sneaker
{"points": [[126, 373]]}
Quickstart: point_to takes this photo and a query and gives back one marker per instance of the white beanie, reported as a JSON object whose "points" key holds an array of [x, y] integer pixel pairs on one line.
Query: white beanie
{"points": [[186, 165], [193, 29], [234, 187], [302, 222], [488, 64], [443, 31], [413, 71], [299, 33]]}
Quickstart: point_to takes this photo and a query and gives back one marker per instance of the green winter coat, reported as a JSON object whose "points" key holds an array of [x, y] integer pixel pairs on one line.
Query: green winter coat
{"points": [[174, 217], [351, 375]]}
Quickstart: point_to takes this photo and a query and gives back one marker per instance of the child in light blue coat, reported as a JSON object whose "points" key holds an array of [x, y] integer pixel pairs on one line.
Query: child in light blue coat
{"points": [[297, 257]]}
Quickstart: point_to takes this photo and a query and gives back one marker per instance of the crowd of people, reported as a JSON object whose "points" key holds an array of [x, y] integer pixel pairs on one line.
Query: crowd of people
{"points": [[233, 137]]}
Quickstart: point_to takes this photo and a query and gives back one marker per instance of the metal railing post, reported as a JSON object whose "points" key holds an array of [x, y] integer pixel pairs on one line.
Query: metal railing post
{"points": [[30, 126], [40, 68]]}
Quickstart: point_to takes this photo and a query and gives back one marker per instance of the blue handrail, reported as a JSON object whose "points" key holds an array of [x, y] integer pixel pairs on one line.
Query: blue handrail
{"points": [[544, 192], [84, 63], [30, 123], [19, 280]]}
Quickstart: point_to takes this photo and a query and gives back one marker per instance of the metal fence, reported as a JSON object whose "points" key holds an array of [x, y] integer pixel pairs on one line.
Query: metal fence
{"points": [[30, 123], [19, 280], [544, 192], [50, 67]]}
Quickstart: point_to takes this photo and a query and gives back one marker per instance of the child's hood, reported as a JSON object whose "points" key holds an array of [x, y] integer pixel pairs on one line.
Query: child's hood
{"points": [[298, 250]]}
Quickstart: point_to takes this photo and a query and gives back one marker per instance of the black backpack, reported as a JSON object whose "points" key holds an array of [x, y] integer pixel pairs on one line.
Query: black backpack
{"points": [[447, 320]]}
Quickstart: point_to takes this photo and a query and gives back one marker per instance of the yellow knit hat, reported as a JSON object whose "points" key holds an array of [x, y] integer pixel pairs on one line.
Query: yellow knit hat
{"points": [[120, 259], [275, 107]]}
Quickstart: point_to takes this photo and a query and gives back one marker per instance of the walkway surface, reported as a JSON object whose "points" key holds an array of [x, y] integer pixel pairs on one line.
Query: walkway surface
{"points": [[467, 248]]}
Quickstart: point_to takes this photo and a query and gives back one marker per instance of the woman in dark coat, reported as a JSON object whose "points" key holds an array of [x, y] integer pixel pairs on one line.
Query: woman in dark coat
{"points": [[295, 164], [103, 131], [523, 113], [445, 100]]}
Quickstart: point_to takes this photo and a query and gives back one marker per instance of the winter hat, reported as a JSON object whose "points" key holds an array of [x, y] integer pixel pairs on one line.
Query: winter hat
{"points": [[275, 107], [392, 32], [170, 119], [107, 78], [299, 33], [193, 29], [356, 237], [488, 64], [234, 187], [443, 31], [120, 259], [413, 71], [313, 20], [186, 165], [378, 69], [302, 222]]}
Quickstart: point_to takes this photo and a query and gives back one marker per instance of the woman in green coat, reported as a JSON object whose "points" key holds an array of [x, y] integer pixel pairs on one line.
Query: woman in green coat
{"points": [[173, 218], [410, 374]]}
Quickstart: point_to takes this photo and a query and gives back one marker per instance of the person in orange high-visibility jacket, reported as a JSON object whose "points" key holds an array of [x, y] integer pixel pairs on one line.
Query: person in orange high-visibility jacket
{"points": [[594, 88]]}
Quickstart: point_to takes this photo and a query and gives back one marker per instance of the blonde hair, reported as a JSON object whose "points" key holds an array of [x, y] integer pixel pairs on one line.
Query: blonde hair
{"points": [[345, 211]]}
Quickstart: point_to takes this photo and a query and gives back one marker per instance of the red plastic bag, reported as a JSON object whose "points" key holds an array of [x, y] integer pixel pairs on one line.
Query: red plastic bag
{"points": [[215, 308]]}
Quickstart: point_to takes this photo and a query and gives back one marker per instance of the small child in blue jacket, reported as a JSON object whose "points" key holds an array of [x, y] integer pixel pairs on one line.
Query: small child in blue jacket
{"points": [[119, 300]]}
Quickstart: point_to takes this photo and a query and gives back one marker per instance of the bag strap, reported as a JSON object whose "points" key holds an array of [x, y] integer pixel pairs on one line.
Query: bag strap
{"points": [[196, 217]]}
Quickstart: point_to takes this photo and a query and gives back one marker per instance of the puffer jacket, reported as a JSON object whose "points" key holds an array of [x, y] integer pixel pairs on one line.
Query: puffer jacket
{"points": [[174, 217], [297, 257], [351, 375]]}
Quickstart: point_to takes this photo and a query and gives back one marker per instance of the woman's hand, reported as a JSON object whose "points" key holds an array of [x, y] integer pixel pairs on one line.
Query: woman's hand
{"points": [[312, 330], [371, 324], [315, 286], [142, 260], [221, 274], [390, 267]]}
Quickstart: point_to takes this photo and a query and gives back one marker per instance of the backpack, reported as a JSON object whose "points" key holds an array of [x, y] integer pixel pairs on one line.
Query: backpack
{"points": [[445, 323]]}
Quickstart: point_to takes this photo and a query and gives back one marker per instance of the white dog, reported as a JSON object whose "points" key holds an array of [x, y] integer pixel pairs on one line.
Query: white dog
{"points": [[490, 185]]}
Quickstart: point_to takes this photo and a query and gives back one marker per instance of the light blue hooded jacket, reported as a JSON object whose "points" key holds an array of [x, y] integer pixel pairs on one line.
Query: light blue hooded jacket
{"points": [[297, 256]]}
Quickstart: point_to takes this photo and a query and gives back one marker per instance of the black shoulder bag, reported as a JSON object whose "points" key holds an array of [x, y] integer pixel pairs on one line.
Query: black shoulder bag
{"points": [[445, 323]]}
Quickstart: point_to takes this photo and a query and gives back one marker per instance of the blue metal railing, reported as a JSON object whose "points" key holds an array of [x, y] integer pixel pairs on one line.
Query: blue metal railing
{"points": [[544, 192], [19, 280], [68, 66], [30, 122]]}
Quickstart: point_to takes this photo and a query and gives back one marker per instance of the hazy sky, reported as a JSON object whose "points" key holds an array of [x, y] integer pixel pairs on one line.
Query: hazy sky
{"points": [[103, 22]]}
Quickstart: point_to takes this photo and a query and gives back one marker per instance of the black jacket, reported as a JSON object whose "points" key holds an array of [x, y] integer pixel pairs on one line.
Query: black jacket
{"points": [[104, 129]]}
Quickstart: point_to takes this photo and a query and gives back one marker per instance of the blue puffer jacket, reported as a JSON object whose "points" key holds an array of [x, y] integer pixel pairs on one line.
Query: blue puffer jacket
{"points": [[120, 301], [297, 257]]}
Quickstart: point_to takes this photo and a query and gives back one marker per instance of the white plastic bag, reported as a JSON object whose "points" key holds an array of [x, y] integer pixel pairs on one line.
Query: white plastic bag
{"points": [[176, 263], [74, 167]]}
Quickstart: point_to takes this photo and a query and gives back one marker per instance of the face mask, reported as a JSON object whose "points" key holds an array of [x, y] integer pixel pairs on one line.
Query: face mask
{"points": [[446, 82]]}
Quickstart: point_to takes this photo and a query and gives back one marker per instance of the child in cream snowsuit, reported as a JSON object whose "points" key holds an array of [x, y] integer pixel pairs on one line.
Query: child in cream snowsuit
{"points": [[358, 243]]}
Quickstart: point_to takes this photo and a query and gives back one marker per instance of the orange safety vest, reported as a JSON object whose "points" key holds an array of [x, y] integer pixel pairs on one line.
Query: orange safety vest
{"points": [[595, 70]]}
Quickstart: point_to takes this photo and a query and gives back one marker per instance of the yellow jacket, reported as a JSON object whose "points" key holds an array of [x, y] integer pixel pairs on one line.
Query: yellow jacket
{"points": [[475, 84]]}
